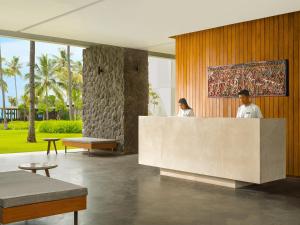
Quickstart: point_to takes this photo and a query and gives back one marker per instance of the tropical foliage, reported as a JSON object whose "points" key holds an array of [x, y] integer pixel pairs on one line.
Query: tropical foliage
{"points": [[60, 126], [3, 87], [153, 100], [12, 101], [51, 86], [49, 126], [13, 70]]}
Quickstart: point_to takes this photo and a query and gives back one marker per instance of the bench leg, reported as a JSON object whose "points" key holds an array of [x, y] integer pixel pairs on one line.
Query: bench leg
{"points": [[76, 218], [48, 149], [89, 152], [55, 147], [33, 171], [65, 149], [47, 172]]}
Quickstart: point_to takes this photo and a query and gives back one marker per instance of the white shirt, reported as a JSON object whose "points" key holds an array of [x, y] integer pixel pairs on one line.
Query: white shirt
{"points": [[185, 113], [249, 111]]}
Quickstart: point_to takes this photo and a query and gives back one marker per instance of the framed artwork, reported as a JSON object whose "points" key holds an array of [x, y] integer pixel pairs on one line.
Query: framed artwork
{"points": [[265, 78]]}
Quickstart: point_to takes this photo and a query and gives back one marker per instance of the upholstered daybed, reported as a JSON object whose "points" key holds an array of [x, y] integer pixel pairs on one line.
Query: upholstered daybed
{"points": [[26, 196]]}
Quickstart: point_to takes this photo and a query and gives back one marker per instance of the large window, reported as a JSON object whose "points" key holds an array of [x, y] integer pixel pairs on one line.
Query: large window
{"points": [[162, 80]]}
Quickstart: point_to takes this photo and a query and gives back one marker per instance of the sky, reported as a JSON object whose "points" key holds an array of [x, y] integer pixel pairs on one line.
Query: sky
{"points": [[16, 47]]}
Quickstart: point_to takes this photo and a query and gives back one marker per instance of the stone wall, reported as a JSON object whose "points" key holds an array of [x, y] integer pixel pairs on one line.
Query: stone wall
{"points": [[136, 89], [115, 93]]}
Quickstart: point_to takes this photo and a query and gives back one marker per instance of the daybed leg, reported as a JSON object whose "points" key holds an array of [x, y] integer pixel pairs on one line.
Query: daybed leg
{"points": [[76, 218]]}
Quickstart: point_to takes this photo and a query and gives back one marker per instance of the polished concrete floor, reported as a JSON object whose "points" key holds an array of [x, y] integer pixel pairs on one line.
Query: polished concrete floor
{"points": [[121, 192]]}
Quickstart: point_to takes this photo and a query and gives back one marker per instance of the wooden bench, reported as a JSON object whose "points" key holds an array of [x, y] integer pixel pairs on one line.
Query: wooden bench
{"points": [[25, 196], [90, 143]]}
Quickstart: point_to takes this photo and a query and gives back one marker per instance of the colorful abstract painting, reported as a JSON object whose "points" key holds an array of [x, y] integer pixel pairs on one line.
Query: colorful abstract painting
{"points": [[266, 78]]}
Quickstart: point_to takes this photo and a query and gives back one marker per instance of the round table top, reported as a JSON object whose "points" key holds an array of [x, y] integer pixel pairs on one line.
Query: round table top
{"points": [[51, 139], [37, 166]]}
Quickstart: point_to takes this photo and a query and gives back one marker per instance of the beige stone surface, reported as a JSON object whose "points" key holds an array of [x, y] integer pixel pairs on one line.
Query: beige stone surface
{"points": [[203, 178], [271, 156], [248, 150]]}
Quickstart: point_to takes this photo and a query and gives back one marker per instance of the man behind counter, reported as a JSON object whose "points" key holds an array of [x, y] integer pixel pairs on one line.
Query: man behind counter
{"points": [[247, 109]]}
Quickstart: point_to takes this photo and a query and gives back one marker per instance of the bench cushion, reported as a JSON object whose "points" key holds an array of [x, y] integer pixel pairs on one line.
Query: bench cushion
{"points": [[21, 188], [89, 140]]}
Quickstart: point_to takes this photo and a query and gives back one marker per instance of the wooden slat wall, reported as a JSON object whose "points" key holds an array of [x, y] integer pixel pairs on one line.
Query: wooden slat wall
{"points": [[265, 39]]}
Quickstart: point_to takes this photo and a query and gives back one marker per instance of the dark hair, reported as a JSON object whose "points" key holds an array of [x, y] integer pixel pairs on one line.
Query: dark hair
{"points": [[244, 92], [184, 102]]}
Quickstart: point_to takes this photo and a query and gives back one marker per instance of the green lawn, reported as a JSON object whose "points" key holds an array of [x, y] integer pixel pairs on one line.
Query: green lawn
{"points": [[13, 141]]}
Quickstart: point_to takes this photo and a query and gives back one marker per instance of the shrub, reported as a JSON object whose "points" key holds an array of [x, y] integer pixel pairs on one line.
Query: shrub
{"points": [[60, 126], [18, 125]]}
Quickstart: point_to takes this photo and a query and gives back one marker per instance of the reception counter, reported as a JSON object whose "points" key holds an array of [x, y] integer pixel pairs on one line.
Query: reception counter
{"points": [[223, 151]]}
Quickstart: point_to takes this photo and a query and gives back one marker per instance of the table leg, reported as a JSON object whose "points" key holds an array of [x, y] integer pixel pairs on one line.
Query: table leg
{"points": [[47, 172], [55, 147], [48, 150], [76, 218]]}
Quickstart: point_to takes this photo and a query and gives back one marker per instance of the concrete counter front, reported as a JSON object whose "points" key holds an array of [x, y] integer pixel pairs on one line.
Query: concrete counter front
{"points": [[223, 151]]}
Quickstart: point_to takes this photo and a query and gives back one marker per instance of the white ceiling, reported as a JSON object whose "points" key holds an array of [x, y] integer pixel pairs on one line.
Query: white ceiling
{"points": [[142, 24]]}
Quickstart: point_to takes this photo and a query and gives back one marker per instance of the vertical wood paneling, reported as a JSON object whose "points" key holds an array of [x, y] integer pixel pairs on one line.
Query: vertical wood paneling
{"points": [[271, 56], [296, 92], [265, 39], [261, 31], [221, 61], [233, 61], [267, 57], [275, 56], [225, 62], [291, 90], [230, 105], [217, 62], [286, 100]]}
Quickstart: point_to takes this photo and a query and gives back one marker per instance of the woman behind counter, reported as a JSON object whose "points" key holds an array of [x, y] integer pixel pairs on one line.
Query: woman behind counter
{"points": [[185, 110]]}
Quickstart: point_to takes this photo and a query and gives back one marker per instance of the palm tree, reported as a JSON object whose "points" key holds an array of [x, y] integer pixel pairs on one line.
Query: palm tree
{"points": [[61, 62], [77, 87], [31, 129], [13, 103], [46, 80], [3, 87], [63, 69], [24, 107], [70, 84], [77, 75], [13, 70]]}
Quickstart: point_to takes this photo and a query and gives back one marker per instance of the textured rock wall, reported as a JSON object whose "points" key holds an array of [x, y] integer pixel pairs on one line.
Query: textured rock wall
{"points": [[103, 92], [115, 93], [136, 90]]}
